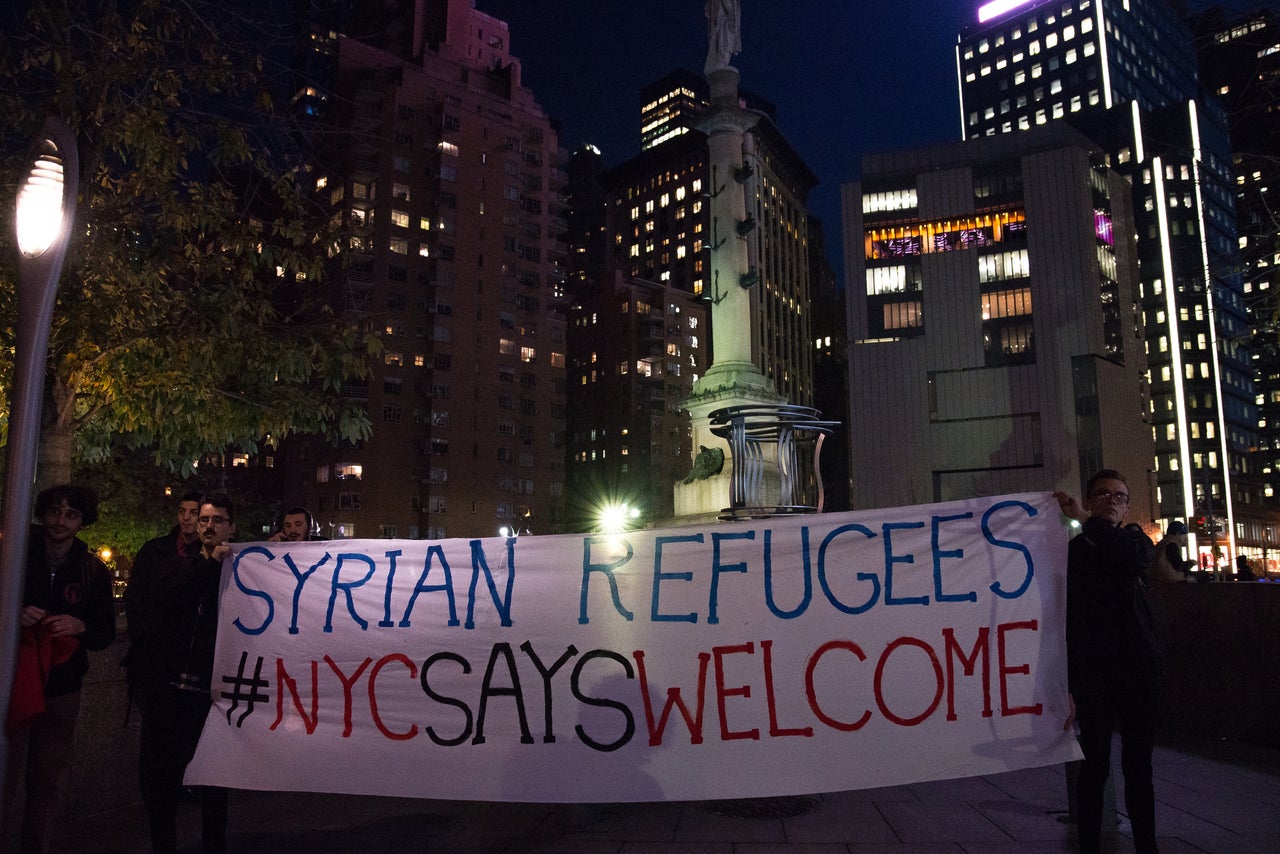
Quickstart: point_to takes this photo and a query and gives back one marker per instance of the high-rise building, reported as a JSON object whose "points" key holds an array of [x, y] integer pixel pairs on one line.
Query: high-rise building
{"points": [[448, 176], [671, 106], [636, 344], [830, 369], [994, 345], [1240, 64], [590, 259], [661, 225], [654, 214], [1125, 74], [635, 348]]}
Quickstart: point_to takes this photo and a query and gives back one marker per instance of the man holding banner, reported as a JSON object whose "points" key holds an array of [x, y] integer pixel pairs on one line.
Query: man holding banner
{"points": [[1113, 657], [174, 633]]}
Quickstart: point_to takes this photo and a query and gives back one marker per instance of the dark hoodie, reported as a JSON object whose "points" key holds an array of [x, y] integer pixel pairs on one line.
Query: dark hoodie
{"points": [[82, 588]]}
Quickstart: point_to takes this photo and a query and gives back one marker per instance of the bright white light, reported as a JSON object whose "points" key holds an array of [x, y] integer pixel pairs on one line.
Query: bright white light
{"points": [[613, 519], [39, 209], [616, 518], [996, 8]]}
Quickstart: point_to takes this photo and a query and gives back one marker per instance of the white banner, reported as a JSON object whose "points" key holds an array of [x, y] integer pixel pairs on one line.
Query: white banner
{"points": [[780, 656]]}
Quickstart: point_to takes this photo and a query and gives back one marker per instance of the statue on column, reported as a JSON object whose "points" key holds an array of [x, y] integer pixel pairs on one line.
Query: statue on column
{"points": [[724, 32]]}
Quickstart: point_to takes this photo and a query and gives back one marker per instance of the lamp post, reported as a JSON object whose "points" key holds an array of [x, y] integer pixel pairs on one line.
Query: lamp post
{"points": [[45, 209], [617, 517]]}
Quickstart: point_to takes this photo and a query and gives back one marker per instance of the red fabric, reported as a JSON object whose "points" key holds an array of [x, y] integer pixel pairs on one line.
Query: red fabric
{"points": [[38, 653]]}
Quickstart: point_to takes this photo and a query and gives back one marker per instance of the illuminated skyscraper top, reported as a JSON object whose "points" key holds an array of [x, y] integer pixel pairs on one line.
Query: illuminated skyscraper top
{"points": [[1125, 73], [1033, 61]]}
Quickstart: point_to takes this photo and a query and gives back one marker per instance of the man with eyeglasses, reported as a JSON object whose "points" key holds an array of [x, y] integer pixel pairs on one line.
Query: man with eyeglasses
{"points": [[179, 628], [1113, 657]]}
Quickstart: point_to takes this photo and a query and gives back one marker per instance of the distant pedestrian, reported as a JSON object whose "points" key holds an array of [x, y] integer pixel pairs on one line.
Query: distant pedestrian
{"points": [[1169, 564], [67, 609], [1244, 572], [1113, 658]]}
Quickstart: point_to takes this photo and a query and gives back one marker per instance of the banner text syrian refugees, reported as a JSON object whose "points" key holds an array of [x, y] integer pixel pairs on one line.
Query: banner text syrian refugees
{"points": [[788, 655]]}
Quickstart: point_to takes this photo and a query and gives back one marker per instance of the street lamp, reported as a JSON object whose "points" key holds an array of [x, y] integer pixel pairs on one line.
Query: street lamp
{"points": [[617, 517], [46, 206]]}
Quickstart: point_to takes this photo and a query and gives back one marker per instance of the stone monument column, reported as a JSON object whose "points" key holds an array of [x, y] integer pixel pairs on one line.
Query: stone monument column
{"points": [[733, 378]]}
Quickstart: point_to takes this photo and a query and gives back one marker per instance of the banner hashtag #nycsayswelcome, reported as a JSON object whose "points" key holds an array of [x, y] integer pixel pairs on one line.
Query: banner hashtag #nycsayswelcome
{"points": [[248, 689]]}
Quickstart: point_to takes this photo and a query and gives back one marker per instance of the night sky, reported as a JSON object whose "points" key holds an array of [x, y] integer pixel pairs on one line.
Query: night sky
{"points": [[848, 77]]}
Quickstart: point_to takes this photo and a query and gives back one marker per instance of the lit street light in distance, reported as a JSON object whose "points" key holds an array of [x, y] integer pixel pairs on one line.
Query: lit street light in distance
{"points": [[513, 530], [617, 517]]}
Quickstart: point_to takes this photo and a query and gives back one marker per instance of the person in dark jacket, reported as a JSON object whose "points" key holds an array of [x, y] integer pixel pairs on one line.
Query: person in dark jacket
{"points": [[173, 623], [157, 560], [67, 610], [1113, 657]]}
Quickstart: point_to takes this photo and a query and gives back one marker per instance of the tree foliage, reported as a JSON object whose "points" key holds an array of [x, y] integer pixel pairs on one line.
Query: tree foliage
{"points": [[193, 314]]}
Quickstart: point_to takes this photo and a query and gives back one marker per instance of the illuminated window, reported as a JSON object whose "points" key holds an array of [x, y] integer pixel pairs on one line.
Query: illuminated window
{"points": [[1011, 303], [903, 315], [882, 280]]}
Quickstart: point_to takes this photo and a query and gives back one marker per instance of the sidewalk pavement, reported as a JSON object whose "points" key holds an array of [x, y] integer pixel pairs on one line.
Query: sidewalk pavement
{"points": [[1212, 796], [1220, 797]]}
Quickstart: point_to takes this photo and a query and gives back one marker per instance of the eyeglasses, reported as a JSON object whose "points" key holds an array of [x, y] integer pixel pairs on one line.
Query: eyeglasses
{"points": [[213, 520], [1108, 495]]}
